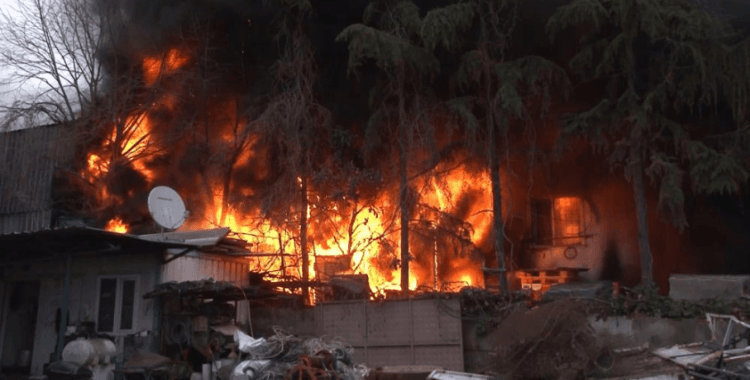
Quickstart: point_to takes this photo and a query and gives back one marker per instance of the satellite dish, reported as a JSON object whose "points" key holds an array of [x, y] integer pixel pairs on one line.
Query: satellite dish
{"points": [[166, 207]]}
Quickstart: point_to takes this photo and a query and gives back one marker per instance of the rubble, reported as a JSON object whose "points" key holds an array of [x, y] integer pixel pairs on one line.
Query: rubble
{"points": [[724, 357], [491, 308], [648, 302], [287, 357], [440, 374], [552, 340], [407, 372], [210, 288]]}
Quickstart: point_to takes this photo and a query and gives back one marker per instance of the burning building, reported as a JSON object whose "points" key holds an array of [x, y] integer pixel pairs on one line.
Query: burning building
{"points": [[187, 106], [252, 116]]}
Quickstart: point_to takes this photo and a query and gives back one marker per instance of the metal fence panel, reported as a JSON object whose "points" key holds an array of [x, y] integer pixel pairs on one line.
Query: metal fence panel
{"points": [[397, 332]]}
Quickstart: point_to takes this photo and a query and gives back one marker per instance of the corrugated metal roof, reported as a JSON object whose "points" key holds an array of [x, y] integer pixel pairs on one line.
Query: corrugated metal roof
{"points": [[28, 161], [43, 243], [199, 238]]}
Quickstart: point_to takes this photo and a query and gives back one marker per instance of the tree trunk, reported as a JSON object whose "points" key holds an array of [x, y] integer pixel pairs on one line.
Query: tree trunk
{"points": [[403, 200], [403, 188], [303, 241], [497, 211], [227, 187], [498, 226], [644, 246]]}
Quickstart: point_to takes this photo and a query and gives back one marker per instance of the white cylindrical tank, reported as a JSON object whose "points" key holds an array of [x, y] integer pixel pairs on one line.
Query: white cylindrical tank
{"points": [[89, 352]]}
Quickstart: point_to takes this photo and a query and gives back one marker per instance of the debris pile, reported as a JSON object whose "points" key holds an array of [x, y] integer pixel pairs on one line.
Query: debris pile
{"points": [[210, 288], [490, 309], [553, 340], [287, 357], [726, 356], [477, 301], [647, 301]]}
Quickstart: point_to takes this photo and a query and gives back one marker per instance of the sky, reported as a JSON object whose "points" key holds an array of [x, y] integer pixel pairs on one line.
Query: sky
{"points": [[7, 93], [5, 99]]}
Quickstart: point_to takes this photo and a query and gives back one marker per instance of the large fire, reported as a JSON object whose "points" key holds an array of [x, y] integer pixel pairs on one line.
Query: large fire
{"points": [[346, 235]]}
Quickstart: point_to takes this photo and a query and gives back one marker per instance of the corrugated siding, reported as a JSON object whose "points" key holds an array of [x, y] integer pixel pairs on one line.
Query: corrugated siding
{"points": [[28, 161], [25, 222], [220, 268], [191, 268]]}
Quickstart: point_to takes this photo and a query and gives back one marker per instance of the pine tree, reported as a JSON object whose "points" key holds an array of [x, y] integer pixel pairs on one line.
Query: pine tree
{"points": [[500, 88], [401, 44], [655, 61]]}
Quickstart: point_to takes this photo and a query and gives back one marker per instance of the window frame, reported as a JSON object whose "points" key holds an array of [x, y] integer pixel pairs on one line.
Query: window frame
{"points": [[557, 240], [536, 216], [120, 285], [580, 219]]}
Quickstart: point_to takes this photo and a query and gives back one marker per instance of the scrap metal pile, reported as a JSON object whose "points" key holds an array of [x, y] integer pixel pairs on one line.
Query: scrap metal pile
{"points": [[210, 288], [287, 357], [725, 357]]}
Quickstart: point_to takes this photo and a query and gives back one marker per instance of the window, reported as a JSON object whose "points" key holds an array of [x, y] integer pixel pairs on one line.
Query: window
{"points": [[559, 221], [116, 303], [568, 219], [541, 216]]}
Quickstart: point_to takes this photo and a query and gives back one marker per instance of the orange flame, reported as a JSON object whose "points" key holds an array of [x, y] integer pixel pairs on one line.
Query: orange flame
{"points": [[363, 236], [154, 67], [131, 138], [351, 233], [116, 225]]}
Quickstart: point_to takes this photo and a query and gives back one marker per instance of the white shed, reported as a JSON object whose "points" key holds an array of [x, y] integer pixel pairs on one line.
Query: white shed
{"points": [[99, 277]]}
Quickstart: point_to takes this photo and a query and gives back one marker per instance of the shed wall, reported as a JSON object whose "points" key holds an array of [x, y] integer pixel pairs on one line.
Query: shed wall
{"points": [[192, 267], [85, 271]]}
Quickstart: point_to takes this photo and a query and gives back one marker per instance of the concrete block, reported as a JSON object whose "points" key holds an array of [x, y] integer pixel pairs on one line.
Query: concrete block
{"points": [[693, 287], [623, 332], [577, 289]]}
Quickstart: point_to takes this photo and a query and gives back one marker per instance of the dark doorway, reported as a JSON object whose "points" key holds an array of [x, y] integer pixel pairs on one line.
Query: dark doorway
{"points": [[20, 326]]}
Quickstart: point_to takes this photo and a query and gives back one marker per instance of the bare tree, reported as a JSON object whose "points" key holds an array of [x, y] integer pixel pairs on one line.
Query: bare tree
{"points": [[50, 51]]}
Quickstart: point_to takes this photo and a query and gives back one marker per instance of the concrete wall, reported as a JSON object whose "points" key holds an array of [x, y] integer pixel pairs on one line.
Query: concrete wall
{"points": [[83, 292], [694, 287], [397, 332], [293, 320], [657, 332]]}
